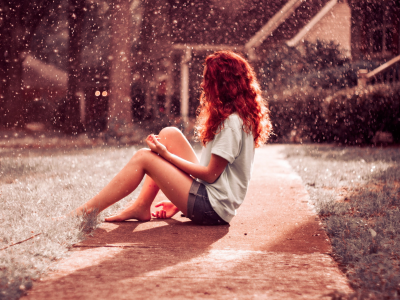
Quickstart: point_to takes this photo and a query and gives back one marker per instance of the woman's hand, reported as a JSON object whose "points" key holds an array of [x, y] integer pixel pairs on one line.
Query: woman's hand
{"points": [[154, 144], [208, 173], [168, 210]]}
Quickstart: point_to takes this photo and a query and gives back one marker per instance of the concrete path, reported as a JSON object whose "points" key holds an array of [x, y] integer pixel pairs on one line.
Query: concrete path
{"points": [[273, 249]]}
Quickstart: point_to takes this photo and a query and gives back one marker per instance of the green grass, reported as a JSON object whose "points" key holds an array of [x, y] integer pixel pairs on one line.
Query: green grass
{"points": [[356, 192], [36, 186]]}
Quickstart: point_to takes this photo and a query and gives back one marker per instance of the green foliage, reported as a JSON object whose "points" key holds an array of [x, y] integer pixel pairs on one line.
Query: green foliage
{"points": [[299, 116], [355, 115], [313, 96], [279, 64], [333, 78], [317, 65], [350, 116], [320, 56]]}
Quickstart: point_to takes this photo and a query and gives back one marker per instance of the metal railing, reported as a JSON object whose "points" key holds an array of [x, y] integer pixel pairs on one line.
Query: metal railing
{"points": [[387, 72]]}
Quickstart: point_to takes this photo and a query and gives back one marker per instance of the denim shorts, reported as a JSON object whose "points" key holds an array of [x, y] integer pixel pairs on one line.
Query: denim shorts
{"points": [[199, 209]]}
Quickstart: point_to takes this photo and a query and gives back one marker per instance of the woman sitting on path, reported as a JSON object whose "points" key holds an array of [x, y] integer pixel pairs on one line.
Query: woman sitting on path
{"points": [[232, 121]]}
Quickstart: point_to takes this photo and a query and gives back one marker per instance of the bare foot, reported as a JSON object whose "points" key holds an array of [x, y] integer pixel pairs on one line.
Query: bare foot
{"points": [[131, 212]]}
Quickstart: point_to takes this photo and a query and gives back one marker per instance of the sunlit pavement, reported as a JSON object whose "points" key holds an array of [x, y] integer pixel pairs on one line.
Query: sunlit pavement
{"points": [[273, 249]]}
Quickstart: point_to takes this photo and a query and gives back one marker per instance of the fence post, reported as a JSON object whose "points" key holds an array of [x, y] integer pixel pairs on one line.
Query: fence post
{"points": [[185, 87], [362, 78]]}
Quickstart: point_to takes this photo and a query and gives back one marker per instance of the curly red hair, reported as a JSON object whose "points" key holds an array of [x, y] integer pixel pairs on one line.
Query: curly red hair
{"points": [[230, 85]]}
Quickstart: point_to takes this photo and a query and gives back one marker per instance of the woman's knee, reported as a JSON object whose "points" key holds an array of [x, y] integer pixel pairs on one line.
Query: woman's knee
{"points": [[176, 143], [170, 132], [140, 155]]}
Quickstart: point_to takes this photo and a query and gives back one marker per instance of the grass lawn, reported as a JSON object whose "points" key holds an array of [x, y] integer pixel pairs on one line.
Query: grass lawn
{"points": [[36, 186], [356, 192]]}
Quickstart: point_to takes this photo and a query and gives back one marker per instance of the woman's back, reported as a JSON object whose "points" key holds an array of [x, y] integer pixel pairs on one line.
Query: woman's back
{"points": [[232, 143]]}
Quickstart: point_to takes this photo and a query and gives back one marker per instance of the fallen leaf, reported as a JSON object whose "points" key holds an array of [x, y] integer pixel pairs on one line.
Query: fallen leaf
{"points": [[373, 232]]}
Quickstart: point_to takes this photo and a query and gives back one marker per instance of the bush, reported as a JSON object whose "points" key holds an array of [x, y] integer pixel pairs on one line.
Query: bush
{"points": [[320, 63], [278, 66], [336, 78], [355, 115], [297, 115], [350, 116], [297, 82]]}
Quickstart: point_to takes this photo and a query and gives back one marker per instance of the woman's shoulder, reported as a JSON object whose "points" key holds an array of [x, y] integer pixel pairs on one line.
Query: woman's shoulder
{"points": [[234, 121]]}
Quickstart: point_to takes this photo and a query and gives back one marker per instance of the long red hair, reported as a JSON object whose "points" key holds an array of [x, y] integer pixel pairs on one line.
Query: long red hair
{"points": [[230, 85]]}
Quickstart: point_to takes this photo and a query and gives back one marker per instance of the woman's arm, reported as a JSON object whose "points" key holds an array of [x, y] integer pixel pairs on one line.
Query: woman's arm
{"points": [[208, 173]]}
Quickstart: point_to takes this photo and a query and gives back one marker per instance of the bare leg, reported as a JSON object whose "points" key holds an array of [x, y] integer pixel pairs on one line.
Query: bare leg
{"points": [[140, 208], [160, 174], [177, 144]]}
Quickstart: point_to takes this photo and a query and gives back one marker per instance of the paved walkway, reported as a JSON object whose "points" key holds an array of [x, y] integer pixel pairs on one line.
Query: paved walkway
{"points": [[273, 249]]}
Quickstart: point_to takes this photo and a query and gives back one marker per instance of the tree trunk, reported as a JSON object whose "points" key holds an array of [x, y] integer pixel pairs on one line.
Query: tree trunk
{"points": [[72, 105], [156, 41], [120, 106], [3, 64], [18, 22], [13, 100]]}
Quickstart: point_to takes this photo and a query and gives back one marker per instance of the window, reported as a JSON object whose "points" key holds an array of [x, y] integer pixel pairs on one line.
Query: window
{"points": [[382, 39], [383, 33]]}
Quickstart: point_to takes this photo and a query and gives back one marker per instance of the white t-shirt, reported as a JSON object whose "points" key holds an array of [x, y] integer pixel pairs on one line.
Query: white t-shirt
{"points": [[227, 193]]}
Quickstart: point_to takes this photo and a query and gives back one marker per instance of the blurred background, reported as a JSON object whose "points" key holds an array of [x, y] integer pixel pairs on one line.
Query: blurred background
{"points": [[329, 69]]}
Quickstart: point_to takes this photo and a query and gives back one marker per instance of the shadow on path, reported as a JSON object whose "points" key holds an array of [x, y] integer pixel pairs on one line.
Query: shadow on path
{"points": [[127, 250]]}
